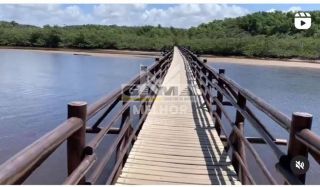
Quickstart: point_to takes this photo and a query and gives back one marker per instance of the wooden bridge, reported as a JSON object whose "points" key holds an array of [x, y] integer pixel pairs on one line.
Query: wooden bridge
{"points": [[170, 126], [178, 142]]}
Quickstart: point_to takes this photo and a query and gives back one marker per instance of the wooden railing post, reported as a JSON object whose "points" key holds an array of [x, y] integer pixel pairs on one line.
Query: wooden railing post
{"points": [[220, 98], [203, 79], [123, 142], [198, 72], [76, 142], [208, 95], [143, 70], [299, 122], [237, 141]]}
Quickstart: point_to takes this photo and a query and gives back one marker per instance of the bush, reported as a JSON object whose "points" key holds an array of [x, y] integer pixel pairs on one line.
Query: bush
{"points": [[259, 34]]}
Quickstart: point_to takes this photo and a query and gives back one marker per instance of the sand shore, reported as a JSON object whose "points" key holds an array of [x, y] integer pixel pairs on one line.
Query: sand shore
{"points": [[93, 52], [143, 54], [267, 62]]}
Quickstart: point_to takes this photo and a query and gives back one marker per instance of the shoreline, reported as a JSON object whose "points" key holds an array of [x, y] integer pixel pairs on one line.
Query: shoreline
{"points": [[89, 52], [149, 54], [264, 62]]}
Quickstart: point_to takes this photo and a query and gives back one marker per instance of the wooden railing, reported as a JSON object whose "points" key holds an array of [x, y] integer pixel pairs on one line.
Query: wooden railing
{"points": [[220, 91], [114, 114], [92, 119]]}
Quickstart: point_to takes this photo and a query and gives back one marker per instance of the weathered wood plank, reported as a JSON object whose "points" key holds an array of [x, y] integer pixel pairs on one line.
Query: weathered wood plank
{"points": [[223, 170], [176, 174], [176, 133], [172, 144], [179, 129], [194, 135], [126, 181], [183, 154], [191, 136], [208, 162], [203, 142], [177, 157], [198, 146], [177, 146], [174, 179], [176, 165], [207, 154]]}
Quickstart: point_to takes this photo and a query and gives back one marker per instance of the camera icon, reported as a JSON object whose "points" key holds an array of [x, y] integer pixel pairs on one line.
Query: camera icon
{"points": [[302, 20]]}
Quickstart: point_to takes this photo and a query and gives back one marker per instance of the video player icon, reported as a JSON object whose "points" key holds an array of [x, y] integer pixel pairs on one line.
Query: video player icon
{"points": [[299, 165], [302, 20]]}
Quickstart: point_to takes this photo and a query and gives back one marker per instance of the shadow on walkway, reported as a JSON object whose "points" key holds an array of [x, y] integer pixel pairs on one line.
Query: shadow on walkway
{"points": [[217, 161]]}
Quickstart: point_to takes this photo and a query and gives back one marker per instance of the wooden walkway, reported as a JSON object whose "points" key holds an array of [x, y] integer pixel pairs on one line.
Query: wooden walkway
{"points": [[178, 143]]}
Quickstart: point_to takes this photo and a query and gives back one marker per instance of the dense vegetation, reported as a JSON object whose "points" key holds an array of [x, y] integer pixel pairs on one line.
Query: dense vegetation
{"points": [[259, 34]]}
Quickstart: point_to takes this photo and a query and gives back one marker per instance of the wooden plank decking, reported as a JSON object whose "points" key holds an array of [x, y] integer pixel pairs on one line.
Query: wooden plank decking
{"points": [[178, 143]]}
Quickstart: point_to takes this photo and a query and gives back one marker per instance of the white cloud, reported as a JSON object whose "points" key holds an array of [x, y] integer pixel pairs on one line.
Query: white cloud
{"points": [[110, 14], [44, 14], [272, 10], [182, 15], [294, 9], [291, 9], [187, 15]]}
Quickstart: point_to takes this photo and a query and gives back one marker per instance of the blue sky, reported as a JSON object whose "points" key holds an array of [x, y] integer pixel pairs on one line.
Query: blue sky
{"points": [[251, 7], [176, 15], [284, 7]]}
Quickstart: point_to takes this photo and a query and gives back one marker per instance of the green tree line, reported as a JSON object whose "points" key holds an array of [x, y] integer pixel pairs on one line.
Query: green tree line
{"points": [[260, 34]]}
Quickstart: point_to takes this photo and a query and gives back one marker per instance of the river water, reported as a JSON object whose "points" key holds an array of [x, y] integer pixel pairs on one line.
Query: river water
{"points": [[288, 90], [35, 88]]}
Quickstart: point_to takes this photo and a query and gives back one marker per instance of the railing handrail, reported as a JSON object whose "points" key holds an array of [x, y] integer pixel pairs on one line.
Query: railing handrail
{"points": [[302, 140], [269, 110], [104, 101], [22, 164], [310, 140], [279, 117]]}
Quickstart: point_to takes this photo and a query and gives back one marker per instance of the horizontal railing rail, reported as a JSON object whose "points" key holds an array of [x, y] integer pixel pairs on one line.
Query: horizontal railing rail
{"points": [[310, 140], [20, 166], [220, 91], [100, 118]]}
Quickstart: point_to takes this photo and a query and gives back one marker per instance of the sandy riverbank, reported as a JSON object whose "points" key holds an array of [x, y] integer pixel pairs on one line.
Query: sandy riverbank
{"points": [[267, 62], [141, 54], [93, 52]]}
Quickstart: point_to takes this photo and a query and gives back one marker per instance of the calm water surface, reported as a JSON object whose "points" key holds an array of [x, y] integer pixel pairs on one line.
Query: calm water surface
{"points": [[287, 89], [35, 88]]}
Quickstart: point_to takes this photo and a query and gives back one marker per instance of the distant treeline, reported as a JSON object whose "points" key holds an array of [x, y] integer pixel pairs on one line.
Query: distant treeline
{"points": [[259, 34]]}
